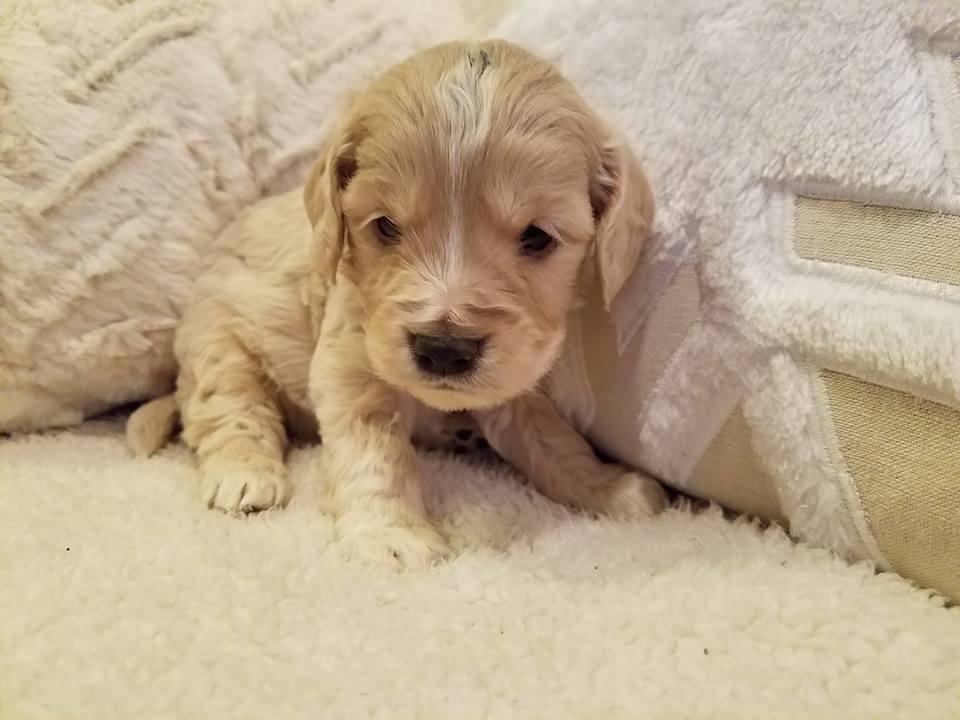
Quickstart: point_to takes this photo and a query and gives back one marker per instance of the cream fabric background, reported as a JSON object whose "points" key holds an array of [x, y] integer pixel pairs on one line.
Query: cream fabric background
{"points": [[904, 456], [901, 451], [913, 243]]}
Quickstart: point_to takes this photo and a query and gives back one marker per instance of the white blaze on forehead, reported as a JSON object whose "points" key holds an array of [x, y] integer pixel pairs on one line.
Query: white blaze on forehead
{"points": [[465, 95]]}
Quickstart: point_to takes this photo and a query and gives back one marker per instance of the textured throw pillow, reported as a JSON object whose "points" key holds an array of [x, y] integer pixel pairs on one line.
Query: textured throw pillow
{"points": [[130, 134]]}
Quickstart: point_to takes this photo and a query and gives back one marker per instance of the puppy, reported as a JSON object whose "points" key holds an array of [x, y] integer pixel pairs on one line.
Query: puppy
{"points": [[447, 224]]}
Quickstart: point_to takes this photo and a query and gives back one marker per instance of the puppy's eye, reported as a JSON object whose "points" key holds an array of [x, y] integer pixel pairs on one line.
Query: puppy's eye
{"points": [[535, 241], [389, 233]]}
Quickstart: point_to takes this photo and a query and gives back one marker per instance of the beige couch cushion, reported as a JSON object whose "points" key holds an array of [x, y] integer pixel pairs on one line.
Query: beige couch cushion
{"points": [[903, 454], [911, 243]]}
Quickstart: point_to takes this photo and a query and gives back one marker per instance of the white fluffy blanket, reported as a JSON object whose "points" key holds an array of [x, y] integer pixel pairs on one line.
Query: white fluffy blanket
{"points": [[739, 105], [122, 597]]}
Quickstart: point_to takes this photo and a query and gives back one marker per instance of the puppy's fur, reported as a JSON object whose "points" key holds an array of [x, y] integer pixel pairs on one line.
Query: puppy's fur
{"points": [[418, 223]]}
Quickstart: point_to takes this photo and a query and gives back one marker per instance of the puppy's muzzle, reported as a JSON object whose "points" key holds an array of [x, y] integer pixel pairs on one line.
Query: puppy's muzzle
{"points": [[445, 355]]}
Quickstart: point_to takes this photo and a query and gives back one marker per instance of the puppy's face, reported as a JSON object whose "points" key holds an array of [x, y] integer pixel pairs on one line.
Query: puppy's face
{"points": [[462, 196]]}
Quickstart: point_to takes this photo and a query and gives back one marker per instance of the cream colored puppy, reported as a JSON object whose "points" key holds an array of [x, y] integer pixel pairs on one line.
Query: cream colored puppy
{"points": [[446, 227]]}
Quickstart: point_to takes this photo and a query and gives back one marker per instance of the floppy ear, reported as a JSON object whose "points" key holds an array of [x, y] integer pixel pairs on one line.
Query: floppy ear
{"points": [[321, 197], [623, 208]]}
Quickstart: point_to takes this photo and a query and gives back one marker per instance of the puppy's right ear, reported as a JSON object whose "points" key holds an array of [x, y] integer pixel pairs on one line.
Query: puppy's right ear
{"points": [[321, 197], [322, 200]]}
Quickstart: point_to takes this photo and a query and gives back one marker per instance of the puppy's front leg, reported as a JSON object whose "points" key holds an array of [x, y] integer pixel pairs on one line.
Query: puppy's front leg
{"points": [[530, 433], [374, 480]]}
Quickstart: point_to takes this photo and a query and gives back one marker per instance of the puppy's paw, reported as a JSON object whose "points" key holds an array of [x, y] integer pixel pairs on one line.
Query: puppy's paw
{"points": [[631, 496], [234, 488], [402, 547]]}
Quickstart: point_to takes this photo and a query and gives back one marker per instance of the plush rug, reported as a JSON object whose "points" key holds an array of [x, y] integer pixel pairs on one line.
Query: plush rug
{"points": [[122, 597]]}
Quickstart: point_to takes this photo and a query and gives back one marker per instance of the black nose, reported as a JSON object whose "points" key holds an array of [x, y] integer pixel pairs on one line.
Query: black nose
{"points": [[445, 355]]}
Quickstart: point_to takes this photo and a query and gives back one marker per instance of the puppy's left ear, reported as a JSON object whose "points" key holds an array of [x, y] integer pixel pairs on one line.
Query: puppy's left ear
{"points": [[623, 207]]}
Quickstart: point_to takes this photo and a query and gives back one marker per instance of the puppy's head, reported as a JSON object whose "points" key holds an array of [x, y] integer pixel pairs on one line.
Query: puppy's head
{"points": [[462, 194]]}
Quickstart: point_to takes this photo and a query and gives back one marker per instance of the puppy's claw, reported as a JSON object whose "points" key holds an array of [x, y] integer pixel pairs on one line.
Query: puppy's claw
{"points": [[233, 489], [401, 547]]}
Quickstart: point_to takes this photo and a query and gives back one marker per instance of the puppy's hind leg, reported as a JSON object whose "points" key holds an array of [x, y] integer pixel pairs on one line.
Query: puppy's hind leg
{"points": [[530, 433], [231, 416]]}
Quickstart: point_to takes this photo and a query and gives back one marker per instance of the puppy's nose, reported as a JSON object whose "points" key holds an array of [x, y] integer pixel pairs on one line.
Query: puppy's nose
{"points": [[445, 355]]}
